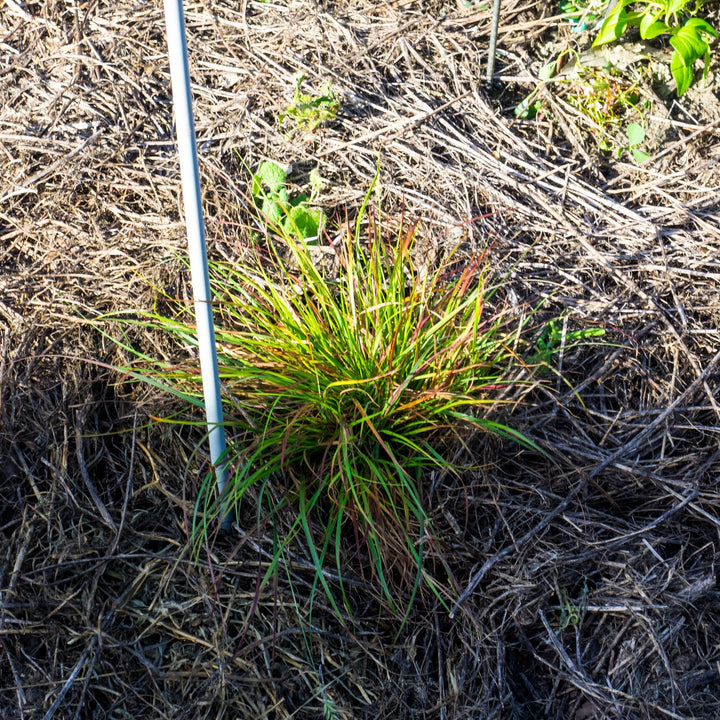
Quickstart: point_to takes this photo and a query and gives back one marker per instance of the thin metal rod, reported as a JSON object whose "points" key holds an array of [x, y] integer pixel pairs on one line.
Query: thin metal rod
{"points": [[190, 178], [493, 43]]}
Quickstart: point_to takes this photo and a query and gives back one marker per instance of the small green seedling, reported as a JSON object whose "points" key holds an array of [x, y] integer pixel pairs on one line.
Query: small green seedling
{"points": [[529, 107], [551, 339], [292, 215], [689, 38], [635, 136], [604, 96], [570, 611], [308, 111]]}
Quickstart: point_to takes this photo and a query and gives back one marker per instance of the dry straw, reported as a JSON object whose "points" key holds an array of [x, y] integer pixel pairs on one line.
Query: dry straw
{"points": [[111, 616]]}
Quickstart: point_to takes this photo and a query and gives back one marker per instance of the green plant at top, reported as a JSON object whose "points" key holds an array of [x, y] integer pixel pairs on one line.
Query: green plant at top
{"points": [[635, 135], [553, 338], [603, 97], [606, 98], [571, 612], [344, 393], [292, 216], [689, 35], [309, 111]]}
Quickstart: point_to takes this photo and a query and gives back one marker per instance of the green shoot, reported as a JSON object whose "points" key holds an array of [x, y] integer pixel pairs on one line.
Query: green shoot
{"points": [[292, 216], [310, 111], [551, 340]]}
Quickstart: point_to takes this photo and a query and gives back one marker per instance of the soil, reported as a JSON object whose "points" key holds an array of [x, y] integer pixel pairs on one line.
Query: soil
{"points": [[582, 584]]}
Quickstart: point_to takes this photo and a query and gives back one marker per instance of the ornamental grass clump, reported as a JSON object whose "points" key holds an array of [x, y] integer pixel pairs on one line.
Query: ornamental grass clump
{"points": [[344, 390]]}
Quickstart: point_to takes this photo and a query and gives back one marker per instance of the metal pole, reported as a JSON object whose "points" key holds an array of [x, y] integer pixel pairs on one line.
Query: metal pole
{"points": [[493, 43], [190, 178]]}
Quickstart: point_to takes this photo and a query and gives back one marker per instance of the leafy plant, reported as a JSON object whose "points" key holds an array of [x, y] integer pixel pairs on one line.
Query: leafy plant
{"points": [[635, 137], [472, 6], [571, 611], [292, 216], [551, 339], [603, 96], [689, 36], [308, 111], [343, 394]]}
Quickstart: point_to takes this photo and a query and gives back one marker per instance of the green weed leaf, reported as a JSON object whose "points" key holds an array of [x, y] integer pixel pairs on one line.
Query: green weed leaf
{"points": [[634, 18], [673, 7], [316, 182], [308, 111], [529, 106], [647, 22], [270, 175], [299, 200], [653, 30], [689, 40], [701, 26], [303, 222], [689, 47], [614, 25], [548, 70], [682, 73], [635, 134], [272, 212], [689, 34], [281, 212]]}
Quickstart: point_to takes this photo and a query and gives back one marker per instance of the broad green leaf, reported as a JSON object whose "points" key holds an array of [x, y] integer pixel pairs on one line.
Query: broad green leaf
{"points": [[271, 174], [547, 71], [304, 222], [681, 72], [639, 155], [701, 26], [694, 39], [272, 211], [299, 200], [527, 111], [634, 18], [316, 182], [652, 31], [614, 25], [684, 51], [648, 19], [674, 6], [528, 107], [635, 134]]}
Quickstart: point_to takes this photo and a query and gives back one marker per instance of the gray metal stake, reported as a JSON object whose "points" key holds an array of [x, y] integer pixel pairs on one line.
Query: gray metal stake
{"points": [[190, 178], [493, 43]]}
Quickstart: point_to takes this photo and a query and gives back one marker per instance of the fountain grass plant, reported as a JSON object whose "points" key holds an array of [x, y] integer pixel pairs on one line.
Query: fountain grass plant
{"points": [[344, 391]]}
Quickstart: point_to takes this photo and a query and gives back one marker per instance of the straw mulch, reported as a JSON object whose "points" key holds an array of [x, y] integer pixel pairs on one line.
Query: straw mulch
{"points": [[588, 584]]}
